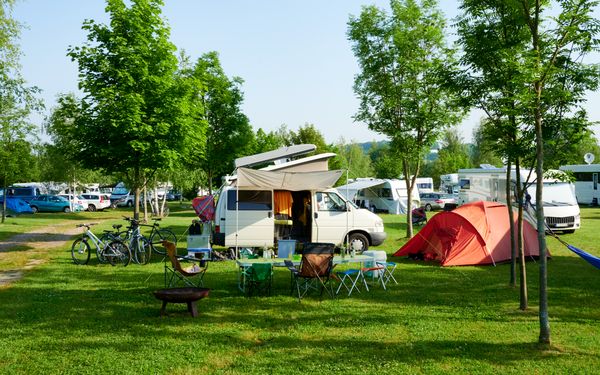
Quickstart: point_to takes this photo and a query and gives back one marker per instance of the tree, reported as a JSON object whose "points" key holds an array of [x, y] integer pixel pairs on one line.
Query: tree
{"points": [[17, 101], [229, 134], [137, 112], [352, 158], [452, 156], [385, 165], [556, 54], [264, 142], [483, 151], [400, 86]]}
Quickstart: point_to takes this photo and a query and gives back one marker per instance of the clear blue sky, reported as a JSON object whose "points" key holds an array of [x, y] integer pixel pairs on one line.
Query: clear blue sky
{"points": [[293, 55]]}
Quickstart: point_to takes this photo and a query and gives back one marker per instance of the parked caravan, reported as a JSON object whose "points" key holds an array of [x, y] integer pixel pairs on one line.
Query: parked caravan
{"points": [[424, 184], [380, 195], [561, 210], [257, 208], [586, 184]]}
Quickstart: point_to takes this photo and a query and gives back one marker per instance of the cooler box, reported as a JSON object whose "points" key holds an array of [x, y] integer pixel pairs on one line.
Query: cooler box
{"points": [[198, 246], [379, 256], [286, 248]]}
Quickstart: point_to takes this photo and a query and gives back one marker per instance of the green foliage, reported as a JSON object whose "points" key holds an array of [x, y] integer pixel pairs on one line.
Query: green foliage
{"points": [[229, 134], [403, 59], [483, 151], [264, 142], [17, 101], [452, 156], [385, 163], [138, 115], [352, 158]]}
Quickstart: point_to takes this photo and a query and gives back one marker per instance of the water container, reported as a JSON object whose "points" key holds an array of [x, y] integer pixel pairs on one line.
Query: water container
{"points": [[379, 256], [286, 248]]}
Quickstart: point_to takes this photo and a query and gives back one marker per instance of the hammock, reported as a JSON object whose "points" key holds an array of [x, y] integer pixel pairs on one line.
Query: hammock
{"points": [[591, 259]]}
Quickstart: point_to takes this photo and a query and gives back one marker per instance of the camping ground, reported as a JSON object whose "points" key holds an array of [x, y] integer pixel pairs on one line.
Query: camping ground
{"points": [[62, 318]]}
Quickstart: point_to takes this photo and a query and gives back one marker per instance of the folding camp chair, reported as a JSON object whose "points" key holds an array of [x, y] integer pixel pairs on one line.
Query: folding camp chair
{"points": [[258, 278], [315, 269], [349, 280], [388, 272], [174, 273]]}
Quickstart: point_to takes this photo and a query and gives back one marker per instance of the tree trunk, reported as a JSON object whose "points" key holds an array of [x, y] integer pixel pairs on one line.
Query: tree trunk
{"points": [[524, 297], [136, 195], [513, 247], [409, 185], [539, 210]]}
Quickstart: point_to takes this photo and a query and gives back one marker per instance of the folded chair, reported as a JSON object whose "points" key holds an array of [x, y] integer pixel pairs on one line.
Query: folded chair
{"points": [[258, 279], [175, 273], [315, 269]]}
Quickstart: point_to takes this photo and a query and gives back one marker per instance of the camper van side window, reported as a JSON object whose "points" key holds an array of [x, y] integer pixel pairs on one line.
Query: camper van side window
{"points": [[250, 200], [385, 193], [465, 183], [583, 176]]}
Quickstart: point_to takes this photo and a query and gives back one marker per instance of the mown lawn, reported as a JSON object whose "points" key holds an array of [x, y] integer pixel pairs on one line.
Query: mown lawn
{"points": [[63, 318]]}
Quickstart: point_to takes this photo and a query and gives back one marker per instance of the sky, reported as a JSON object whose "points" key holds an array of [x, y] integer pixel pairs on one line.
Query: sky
{"points": [[294, 56]]}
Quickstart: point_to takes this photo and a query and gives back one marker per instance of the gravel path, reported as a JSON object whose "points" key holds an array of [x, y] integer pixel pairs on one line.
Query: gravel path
{"points": [[49, 237]]}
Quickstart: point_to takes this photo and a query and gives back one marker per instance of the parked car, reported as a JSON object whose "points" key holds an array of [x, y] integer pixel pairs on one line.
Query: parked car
{"points": [[26, 193], [173, 195], [76, 199], [97, 201], [52, 203], [436, 201]]}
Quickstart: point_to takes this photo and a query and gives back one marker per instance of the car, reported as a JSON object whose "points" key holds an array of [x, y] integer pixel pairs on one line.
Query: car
{"points": [[173, 195], [52, 203], [76, 199], [436, 201], [97, 201]]}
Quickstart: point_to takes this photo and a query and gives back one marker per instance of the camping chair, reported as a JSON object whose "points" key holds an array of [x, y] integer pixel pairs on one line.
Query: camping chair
{"points": [[174, 273], [388, 271], [315, 269], [258, 278], [349, 280]]}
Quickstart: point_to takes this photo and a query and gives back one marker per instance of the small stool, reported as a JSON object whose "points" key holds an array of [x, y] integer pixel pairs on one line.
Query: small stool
{"points": [[352, 276], [187, 295], [388, 272]]}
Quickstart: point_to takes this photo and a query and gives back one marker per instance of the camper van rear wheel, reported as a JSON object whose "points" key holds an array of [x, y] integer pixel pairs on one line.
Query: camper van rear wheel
{"points": [[34, 209], [358, 242]]}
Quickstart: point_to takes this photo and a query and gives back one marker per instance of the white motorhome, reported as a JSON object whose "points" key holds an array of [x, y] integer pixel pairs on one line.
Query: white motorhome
{"points": [[449, 183], [256, 208], [586, 184], [561, 210], [380, 195], [424, 184]]}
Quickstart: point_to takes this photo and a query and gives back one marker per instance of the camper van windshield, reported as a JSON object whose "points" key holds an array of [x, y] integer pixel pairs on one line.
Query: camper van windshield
{"points": [[555, 193]]}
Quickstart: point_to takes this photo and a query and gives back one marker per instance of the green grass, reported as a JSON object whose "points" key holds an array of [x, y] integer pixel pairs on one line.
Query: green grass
{"points": [[63, 318]]}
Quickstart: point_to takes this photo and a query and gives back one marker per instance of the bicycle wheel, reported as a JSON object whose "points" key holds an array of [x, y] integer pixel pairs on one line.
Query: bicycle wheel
{"points": [[117, 253], [80, 251], [157, 238], [141, 250], [105, 238]]}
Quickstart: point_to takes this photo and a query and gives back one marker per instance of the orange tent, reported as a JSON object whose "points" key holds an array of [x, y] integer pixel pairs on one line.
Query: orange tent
{"points": [[475, 233]]}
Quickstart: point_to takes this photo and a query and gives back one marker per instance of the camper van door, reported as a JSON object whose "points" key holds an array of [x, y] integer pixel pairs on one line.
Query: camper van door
{"points": [[253, 219], [329, 218]]}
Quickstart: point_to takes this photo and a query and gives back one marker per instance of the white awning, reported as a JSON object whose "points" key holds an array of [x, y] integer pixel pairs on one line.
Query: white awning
{"points": [[293, 181], [350, 190]]}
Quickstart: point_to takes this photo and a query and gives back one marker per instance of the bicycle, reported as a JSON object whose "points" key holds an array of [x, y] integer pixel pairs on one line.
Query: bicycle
{"points": [[138, 244], [158, 235], [109, 250]]}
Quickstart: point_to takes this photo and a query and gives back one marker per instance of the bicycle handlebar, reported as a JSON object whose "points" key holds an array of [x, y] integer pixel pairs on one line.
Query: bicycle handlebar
{"points": [[85, 225]]}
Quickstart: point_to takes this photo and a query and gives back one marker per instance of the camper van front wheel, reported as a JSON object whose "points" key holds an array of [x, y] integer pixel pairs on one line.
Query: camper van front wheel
{"points": [[358, 242]]}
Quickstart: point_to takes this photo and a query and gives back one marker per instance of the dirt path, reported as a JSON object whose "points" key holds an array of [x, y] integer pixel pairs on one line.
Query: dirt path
{"points": [[48, 237]]}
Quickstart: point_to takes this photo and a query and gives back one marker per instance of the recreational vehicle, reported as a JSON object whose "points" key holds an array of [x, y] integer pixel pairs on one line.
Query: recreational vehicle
{"points": [[449, 183], [257, 208], [424, 184], [380, 195], [586, 184], [561, 210]]}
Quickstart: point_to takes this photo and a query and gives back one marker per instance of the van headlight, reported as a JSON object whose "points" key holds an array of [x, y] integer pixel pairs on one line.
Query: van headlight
{"points": [[379, 225]]}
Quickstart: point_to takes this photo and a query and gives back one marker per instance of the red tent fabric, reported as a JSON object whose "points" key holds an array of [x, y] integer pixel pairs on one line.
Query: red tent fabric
{"points": [[204, 207], [475, 233]]}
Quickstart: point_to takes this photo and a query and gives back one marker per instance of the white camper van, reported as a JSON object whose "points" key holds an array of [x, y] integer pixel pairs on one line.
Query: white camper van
{"points": [[586, 184], [256, 208], [561, 210], [380, 195]]}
